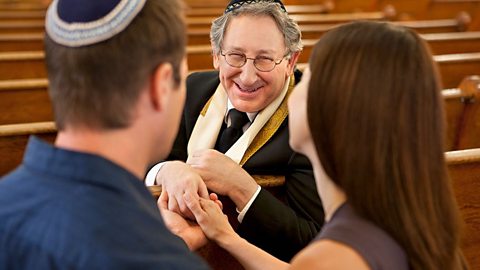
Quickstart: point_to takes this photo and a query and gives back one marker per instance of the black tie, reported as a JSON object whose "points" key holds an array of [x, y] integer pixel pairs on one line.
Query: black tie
{"points": [[232, 133]]}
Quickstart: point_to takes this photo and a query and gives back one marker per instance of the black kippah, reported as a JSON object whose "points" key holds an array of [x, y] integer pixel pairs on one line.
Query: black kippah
{"points": [[234, 4]]}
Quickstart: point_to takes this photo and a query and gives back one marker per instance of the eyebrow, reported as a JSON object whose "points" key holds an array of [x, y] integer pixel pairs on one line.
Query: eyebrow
{"points": [[257, 52]]}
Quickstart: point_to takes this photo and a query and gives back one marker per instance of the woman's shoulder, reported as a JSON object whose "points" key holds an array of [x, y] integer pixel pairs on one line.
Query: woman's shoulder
{"points": [[371, 242], [329, 254]]}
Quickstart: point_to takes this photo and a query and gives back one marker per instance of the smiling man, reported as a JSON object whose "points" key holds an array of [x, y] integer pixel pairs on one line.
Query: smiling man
{"points": [[235, 125]]}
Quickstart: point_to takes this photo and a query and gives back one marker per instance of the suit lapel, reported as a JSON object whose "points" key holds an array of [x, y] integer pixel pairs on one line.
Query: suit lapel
{"points": [[271, 127]]}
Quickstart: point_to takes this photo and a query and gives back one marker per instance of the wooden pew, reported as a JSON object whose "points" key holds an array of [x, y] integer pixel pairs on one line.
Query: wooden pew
{"points": [[446, 8], [441, 43], [22, 15], [21, 42], [462, 107], [454, 67], [464, 170], [291, 9], [13, 140], [201, 36], [30, 64], [203, 22], [22, 26], [436, 25], [22, 65], [24, 101], [16, 6], [419, 9], [449, 43]]}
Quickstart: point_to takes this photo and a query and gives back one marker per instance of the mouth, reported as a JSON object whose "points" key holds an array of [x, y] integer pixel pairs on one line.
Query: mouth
{"points": [[248, 89]]}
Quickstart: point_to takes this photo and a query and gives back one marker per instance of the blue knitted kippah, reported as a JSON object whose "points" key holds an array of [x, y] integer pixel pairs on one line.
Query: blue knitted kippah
{"points": [[234, 4], [77, 23]]}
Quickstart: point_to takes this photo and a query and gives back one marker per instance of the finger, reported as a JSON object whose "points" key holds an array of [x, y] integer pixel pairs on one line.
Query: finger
{"points": [[202, 190], [185, 210], [220, 204], [209, 205], [194, 206], [163, 200], [173, 205], [213, 196]]}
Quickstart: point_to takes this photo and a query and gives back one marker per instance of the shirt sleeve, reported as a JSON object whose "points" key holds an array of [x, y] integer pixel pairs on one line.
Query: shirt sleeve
{"points": [[247, 206], [152, 174]]}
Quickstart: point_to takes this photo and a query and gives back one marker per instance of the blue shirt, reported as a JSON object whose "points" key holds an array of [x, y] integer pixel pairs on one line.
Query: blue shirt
{"points": [[62, 209]]}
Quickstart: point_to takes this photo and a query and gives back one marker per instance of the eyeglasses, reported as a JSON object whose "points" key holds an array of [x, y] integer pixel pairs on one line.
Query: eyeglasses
{"points": [[262, 63]]}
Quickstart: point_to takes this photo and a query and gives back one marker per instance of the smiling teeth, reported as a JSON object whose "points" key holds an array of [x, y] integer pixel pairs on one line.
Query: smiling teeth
{"points": [[249, 90]]}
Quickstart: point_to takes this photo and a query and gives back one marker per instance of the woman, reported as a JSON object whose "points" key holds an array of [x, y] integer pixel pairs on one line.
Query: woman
{"points": [[369, 117]]}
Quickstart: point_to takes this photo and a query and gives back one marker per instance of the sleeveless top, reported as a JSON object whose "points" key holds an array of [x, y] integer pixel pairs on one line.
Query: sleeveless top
{"points": [[376, 247]]}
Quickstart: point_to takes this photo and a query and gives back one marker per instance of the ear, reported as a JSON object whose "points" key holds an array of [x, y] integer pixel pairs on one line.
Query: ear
{"points": [[161, 85], [292, 62], [216, 60]]}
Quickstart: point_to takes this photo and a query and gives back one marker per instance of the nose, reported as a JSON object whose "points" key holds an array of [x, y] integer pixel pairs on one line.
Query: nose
{"points": [[248, 75]]}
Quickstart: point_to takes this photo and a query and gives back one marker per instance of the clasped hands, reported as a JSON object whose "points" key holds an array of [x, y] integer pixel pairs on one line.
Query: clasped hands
{"points": [[185, 197]]}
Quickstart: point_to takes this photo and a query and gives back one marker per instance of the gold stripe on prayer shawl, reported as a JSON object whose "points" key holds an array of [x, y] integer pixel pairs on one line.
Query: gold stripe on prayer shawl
{"points": [[205, 108], [270, 127]]}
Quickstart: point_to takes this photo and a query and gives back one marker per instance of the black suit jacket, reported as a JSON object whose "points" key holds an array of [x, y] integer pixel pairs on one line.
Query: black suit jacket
{"points": [[281, 228]]}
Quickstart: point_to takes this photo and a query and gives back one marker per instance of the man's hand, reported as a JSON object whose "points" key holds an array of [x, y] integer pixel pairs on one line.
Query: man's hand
{"points": [[189, 231], [176, 179], [223, 176]]}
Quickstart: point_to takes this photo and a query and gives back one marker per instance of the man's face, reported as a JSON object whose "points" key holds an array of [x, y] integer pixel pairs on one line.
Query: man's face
{"points": [[249, 89]]}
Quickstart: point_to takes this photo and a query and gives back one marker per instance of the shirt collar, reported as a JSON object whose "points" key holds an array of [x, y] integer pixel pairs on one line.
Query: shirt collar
{"points": [[78, 166], [251, 115]]}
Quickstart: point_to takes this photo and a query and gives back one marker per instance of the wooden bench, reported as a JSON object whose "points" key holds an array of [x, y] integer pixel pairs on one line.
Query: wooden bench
{"points": [[449, 43], [22, 26], [23, 6], [291, 9], [13, 140], [464, 170], [203, 22], [22, 15], [201, 36], [455, 67], [22, 65], [24, 101], [444, 25], [21, 42], [462, 106], [419, 9], [31, 64], [441, 43]]}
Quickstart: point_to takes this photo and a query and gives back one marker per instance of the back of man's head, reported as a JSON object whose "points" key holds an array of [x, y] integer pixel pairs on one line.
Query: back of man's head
{"points": [[101, 54]]}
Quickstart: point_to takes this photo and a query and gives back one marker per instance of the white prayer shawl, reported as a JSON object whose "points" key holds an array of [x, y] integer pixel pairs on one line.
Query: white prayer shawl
{"points": [[207, 127]]}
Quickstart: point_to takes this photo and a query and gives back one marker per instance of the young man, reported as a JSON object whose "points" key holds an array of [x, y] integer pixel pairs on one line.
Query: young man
{"points": [[117, 82]]}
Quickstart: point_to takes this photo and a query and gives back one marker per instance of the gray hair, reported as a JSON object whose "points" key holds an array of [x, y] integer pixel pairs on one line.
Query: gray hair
{"points": [[289, 28]]}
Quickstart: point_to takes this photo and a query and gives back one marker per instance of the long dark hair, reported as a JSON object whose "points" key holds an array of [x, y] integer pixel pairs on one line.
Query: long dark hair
{"points": [[376, 117]]}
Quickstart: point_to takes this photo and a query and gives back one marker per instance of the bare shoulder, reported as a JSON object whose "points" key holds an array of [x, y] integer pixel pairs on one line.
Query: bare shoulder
{"points": [[328, 254]]}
